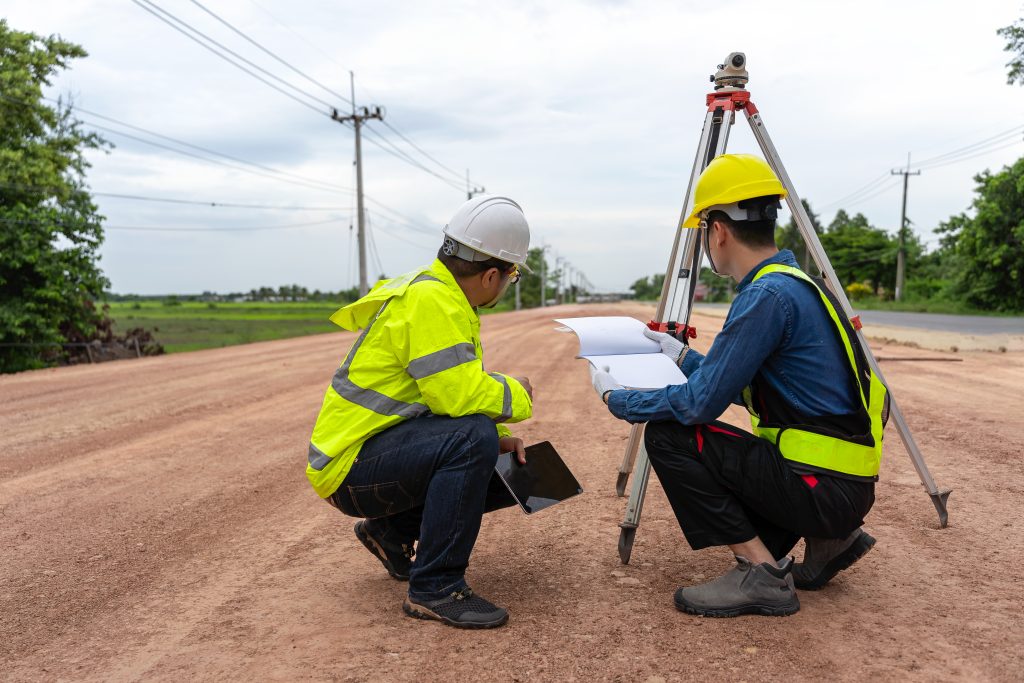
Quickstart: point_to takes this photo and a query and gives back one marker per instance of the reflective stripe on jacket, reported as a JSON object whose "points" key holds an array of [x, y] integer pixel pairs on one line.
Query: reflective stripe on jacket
{"points": [[859, 455], [419, 353]]}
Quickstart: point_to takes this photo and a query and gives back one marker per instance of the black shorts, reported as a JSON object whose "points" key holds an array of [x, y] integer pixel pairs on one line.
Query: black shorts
{"points": [[727, 486]]}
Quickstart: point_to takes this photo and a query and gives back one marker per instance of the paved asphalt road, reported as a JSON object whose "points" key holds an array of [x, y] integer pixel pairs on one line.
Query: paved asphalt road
{"points": [[970, 324]]}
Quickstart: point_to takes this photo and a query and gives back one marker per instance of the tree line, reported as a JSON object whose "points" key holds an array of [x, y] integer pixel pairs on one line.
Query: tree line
{"points": [[977, 266], [52, 288]]}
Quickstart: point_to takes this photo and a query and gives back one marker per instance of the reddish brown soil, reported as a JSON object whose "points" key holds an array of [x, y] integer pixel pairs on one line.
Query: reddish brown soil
{"points": [[157, 525]]}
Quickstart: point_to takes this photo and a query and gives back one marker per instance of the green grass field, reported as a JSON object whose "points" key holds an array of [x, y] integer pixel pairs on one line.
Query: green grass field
{"points": [[190, 326]]}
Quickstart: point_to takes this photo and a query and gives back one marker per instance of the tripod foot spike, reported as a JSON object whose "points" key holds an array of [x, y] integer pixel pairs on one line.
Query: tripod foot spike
{"points": [[620, 484], [939, 499], [626, 536]]}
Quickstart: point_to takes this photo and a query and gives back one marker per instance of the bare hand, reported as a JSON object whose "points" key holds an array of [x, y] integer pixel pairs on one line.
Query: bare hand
{"points": [[513, 443], [526, 385]]}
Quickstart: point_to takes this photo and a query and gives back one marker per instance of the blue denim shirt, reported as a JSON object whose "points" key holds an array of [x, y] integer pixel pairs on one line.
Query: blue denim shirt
{"points": [[777, 327]]}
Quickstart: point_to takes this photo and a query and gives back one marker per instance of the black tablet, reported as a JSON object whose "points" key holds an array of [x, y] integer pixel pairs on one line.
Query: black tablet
{"points": [[543, 481]]}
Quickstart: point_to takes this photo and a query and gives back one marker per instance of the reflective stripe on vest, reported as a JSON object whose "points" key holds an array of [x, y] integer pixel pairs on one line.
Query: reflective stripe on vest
{"points": [[820, 450]]}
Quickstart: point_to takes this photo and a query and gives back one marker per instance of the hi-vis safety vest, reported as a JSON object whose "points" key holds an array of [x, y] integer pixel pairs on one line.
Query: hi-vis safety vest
{"points": [[419, 353], [857, 454]]}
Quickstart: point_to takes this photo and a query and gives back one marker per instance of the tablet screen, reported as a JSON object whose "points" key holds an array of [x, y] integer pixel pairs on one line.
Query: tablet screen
{"points": [[543, 481]]}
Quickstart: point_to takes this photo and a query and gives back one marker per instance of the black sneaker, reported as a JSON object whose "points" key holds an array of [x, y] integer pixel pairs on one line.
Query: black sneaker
{"points": [[461, 609], [397, 559]]}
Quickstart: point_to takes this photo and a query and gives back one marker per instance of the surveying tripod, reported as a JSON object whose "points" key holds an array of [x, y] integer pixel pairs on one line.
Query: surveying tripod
{"points": [[674, 307]]}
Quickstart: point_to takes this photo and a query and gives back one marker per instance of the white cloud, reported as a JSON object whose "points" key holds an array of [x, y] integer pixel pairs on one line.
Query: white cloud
{"points": [[588, 113]]}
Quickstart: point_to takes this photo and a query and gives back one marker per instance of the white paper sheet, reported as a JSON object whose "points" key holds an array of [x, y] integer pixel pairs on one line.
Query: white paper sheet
{"points": [[618, 343], [610, 335], [640, 371]]}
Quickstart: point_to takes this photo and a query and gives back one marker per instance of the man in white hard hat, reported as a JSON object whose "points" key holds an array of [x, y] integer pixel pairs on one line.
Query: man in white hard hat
{"points": [[412, 424]]}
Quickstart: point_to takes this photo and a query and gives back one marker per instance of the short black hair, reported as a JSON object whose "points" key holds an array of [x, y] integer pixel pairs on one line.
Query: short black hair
{"points": [[463, 268], [759, 233]]}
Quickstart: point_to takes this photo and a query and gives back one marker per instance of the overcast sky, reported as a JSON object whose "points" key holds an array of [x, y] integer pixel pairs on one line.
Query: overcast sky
{"points": [[587, 113]]}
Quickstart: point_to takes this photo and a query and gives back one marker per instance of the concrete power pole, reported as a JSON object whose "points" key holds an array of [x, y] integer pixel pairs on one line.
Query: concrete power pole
{"points": [[543, 274], [470, 190], [358, 116], [901, 255]]}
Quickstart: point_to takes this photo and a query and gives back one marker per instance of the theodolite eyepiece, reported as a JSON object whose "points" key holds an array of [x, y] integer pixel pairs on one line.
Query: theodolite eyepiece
{"points": [[732, 74]]}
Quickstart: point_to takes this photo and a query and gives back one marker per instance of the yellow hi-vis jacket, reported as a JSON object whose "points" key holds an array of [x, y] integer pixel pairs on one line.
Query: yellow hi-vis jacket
{"points": [[419, 353]]}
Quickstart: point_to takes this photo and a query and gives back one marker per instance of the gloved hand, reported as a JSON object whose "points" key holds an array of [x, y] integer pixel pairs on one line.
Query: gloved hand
{"points": [[670, 346], [602, 381]]}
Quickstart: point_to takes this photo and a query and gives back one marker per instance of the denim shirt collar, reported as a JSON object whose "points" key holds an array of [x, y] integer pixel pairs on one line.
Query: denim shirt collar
{"points": [[785, 257]]}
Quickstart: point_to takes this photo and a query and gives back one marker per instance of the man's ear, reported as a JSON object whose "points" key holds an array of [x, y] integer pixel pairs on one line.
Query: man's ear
{"points": [[718, 231], [490, 277]]}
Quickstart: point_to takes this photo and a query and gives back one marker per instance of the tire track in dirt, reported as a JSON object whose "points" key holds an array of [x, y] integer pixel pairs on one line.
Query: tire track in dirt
{"points": [[244, 574]]}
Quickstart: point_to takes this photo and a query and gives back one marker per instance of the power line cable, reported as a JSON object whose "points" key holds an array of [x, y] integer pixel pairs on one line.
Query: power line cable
{"points": [[373, 244], [159, 228], [309, 184], [421, 150], [402, 218], [298, 35], [981, 147], [978, 153], [397, 152], [868, 187], [232, 62], [269, 53], [998, 137], [402, 237], [225, 205], [190, 202], [874, 194]]}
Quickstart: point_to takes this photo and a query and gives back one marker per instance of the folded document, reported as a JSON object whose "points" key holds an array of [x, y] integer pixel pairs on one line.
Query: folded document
{"points": [[618, 343]]}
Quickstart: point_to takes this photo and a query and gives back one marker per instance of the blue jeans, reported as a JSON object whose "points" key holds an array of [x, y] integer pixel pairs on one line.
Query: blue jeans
{"points": [[430, 478]]}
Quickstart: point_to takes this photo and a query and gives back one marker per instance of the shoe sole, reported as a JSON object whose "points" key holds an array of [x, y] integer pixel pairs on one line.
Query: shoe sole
{"points": [[378, 552], [420, 612], [844, 560], [752, 608]]}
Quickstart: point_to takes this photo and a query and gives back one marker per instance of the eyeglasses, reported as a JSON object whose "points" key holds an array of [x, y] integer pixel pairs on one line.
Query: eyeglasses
{"points": [[514, 275]]}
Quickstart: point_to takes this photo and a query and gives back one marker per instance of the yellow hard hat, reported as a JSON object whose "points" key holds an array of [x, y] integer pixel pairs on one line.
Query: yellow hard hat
{"points": [[732, 178]]}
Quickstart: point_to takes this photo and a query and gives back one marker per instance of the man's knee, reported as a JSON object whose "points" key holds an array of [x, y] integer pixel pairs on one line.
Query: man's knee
{"points": [[482, 434]]}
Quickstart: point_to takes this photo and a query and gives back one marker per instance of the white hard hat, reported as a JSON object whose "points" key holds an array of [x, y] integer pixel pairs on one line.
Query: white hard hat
{"points": [[489, 226]]}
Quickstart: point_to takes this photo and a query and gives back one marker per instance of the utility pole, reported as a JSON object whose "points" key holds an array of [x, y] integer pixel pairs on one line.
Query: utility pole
{"points": [[470, 190], [519, 302], [543, 273], [560, 272], [358, 116], [901, 254]]}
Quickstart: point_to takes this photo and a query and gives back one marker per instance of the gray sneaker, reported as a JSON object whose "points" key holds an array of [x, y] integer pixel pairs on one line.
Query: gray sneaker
{"points": [[826, 557], [746, 589]]}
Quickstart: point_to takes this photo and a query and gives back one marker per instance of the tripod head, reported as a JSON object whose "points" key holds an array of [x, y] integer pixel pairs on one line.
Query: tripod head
{"points": [[732, 75]]}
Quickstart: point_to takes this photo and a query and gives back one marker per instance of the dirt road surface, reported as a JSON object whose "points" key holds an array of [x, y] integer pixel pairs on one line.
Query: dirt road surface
{"points": [[157, 525]]}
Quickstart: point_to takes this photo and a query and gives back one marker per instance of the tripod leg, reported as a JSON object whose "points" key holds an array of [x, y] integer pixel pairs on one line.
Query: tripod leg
{"points": [[641, 475], [628, 460], [796, 207], [677, 296], [938, 497]]}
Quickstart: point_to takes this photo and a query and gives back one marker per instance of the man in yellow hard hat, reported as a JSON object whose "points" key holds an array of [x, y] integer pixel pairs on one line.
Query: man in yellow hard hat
{"points": [[788, 354], [411, 425]]}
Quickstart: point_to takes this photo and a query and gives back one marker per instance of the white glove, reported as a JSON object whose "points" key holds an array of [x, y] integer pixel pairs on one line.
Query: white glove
{"points": [[670, 346], [602, 381]]}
